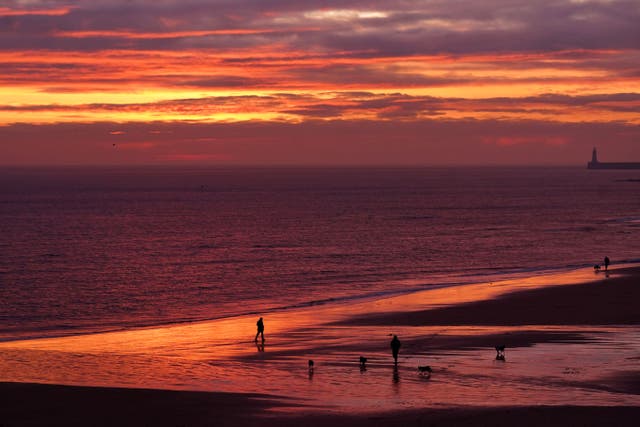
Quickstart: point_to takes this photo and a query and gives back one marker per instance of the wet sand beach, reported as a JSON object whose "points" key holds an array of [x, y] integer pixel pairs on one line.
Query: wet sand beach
{"points": [[572, 358], [608, 301]]}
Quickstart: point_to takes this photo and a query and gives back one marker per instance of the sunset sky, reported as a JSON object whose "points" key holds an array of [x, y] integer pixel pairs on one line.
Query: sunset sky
{"points": [[348, 82]]}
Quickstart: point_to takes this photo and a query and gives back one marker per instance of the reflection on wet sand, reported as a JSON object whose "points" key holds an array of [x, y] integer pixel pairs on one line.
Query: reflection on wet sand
{"points": [[550, 365]]}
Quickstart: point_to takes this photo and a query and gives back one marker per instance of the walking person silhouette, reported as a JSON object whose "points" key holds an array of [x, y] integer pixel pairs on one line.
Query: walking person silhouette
{"points": [[395, 348], [260, 325], [606, 263]]}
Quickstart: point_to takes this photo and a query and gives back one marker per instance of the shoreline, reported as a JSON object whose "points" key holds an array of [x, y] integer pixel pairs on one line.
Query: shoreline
{"points": [[244, 385], [564, 306], [470, 280]]}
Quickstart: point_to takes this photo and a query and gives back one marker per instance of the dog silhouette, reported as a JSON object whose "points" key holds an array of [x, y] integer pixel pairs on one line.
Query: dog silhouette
{"points": [[500, 352], [425, 371]]}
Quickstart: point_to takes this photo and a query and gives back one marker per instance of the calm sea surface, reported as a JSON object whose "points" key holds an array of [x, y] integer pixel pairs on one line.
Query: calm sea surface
{"points": [[85, 249]]}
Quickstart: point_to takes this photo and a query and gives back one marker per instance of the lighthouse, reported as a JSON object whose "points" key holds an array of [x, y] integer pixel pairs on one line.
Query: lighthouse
{"points": [[595, 164]]}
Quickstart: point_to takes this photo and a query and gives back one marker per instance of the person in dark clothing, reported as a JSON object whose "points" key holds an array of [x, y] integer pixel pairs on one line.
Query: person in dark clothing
{"points": [[606, 263], [260, 326], [395, 348]]}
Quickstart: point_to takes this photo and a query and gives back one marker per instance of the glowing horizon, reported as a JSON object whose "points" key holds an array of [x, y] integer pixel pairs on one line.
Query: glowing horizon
{"points": [[555, 67]]}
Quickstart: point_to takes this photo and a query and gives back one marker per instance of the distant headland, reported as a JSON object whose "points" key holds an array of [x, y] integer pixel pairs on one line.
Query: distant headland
{"points": [[595, 164]]}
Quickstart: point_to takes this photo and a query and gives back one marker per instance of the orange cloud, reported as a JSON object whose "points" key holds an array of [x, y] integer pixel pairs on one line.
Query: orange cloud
{"points": [[183, 157], [174, 34], [521, 140], [135, 145], [5, 11]]}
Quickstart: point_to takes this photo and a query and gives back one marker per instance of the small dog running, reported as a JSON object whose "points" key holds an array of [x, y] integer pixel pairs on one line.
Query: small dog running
{"points": [[500, 352], [425, 371]]}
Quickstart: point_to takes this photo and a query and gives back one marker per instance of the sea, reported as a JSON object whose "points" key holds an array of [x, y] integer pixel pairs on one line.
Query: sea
{"points": [[88, 249]]}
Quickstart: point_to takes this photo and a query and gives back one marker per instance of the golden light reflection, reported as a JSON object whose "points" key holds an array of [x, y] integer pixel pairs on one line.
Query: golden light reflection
{"points": [[228, 338], [221, 355]]}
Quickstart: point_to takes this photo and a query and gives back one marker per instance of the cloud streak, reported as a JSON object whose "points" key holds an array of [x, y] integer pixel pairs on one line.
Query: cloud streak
{"points": [[391, 28], [359, 105]]}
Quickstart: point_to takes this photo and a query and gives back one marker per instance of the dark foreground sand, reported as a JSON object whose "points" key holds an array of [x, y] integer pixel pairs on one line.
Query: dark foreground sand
{"points": [[613, 301], [40, 405]]}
